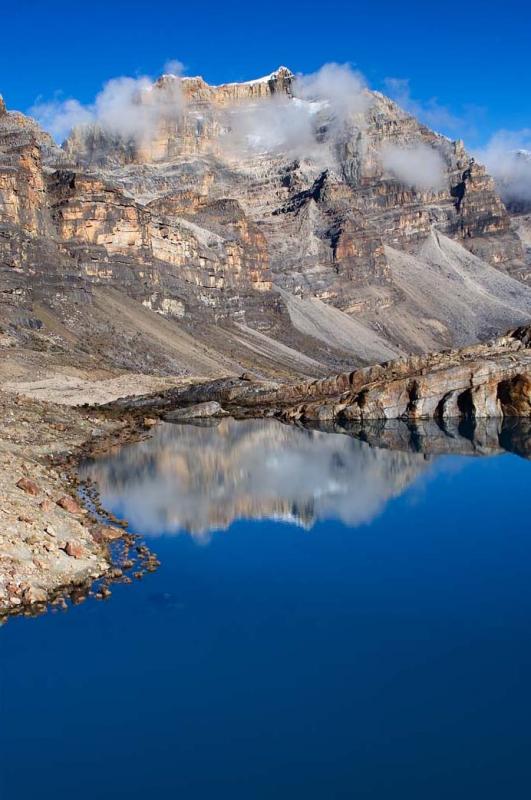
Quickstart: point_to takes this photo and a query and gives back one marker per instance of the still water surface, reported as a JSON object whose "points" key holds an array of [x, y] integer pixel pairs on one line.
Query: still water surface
{"points": [[330, 620]]}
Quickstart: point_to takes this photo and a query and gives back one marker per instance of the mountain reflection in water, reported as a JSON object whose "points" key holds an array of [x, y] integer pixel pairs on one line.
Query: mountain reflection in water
{"points": [[201, 478]]}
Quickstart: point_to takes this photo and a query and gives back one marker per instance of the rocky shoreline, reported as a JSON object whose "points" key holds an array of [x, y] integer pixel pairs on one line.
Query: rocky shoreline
{"points": [[491, 379], [53, 544]]}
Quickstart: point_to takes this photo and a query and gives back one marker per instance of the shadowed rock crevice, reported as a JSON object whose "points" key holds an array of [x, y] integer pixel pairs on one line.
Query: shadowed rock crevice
{"points": [[459, 190], [465, 404]]}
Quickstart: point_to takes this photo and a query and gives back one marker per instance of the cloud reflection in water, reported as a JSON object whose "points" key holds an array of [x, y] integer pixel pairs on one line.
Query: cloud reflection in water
{"points": [[201, 479]]}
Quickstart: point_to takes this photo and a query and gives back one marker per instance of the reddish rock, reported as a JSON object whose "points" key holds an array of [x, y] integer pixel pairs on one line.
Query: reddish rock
{"points": [[107, 533], [74, 549], [69, 504], [28, 486], [46, 505]]}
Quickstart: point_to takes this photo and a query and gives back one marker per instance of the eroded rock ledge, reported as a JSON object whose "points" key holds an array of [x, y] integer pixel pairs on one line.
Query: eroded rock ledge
{"points": [[485, 380]]}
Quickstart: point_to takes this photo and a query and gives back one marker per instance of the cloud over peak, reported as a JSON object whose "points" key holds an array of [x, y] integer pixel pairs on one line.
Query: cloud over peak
{"points": [[507, 156], [334, 94], [344, 89], [127, 107], [132, 108], [418, 165]]}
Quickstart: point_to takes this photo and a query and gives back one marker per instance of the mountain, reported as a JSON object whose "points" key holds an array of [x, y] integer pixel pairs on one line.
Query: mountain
{"points": [[199, 230]]}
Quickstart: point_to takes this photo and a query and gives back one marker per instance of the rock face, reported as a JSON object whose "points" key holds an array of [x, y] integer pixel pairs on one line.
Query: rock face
{"points": [[197, 222], [482, 381]]}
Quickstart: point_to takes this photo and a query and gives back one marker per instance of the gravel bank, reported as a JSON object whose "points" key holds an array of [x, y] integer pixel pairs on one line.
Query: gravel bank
{"points": [[48, 541]]}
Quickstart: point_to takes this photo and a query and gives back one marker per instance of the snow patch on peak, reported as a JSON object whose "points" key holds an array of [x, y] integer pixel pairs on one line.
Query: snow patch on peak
{"points": [[278, 73], [281, 72]]}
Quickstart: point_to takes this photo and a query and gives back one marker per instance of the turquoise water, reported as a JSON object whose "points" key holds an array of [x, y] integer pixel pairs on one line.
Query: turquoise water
{"points": [[330, 620]]}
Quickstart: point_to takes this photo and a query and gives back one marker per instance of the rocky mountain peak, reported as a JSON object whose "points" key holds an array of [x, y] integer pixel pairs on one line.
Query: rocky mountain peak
{"points": [[322, 234]]}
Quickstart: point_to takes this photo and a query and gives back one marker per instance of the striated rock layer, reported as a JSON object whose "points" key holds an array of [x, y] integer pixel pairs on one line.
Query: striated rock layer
{"points": [[315, 246]]}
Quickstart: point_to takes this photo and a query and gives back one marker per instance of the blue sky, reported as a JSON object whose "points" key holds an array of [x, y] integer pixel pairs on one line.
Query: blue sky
{"points": [[473, 57]]}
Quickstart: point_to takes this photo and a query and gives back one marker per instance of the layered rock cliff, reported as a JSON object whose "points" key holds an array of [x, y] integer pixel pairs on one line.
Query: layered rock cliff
{"points": [[274, 248]]}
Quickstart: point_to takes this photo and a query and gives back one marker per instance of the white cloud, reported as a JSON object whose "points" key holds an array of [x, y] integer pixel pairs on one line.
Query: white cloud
{"points": [[127, 107], [419, 165], [507, 157], [58, 117], [276, 124], [334, 94], [173, 67], [344, 89]]}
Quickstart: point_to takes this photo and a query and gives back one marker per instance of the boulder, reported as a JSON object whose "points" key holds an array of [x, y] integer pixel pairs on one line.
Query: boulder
{"points": [[107, 533], [198, 411], [28, 486], [34, 594], [74, 549], [69, 504]]}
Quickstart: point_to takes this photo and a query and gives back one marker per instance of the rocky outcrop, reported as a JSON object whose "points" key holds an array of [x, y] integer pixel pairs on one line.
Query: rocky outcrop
{"points": [[46, 541], [185, 264], [197, 411], [482, 381]]}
